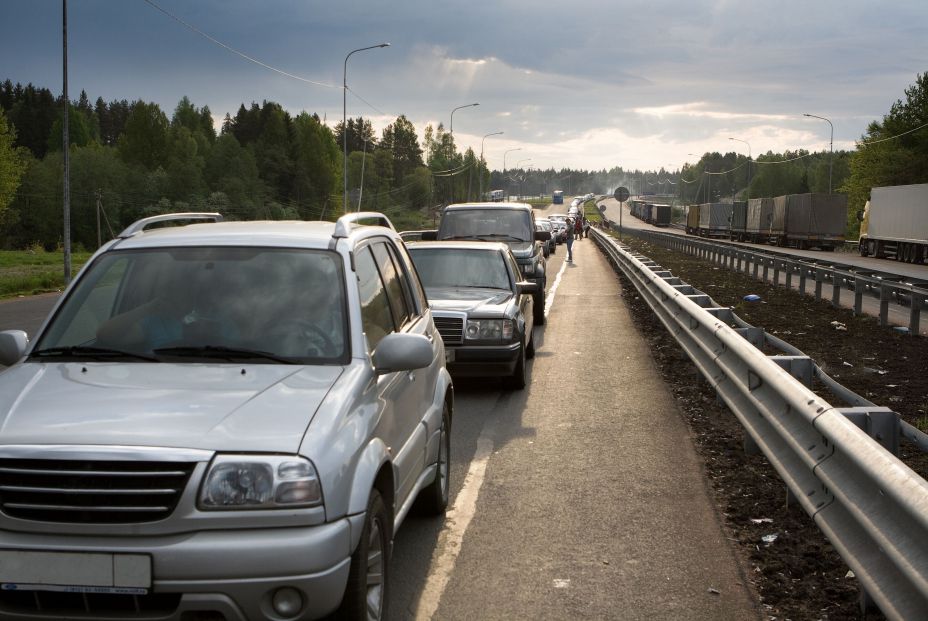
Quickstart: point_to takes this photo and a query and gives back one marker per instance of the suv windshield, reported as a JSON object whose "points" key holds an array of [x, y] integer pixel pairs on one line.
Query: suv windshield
{"points": [[487, 224], [212, 303]]}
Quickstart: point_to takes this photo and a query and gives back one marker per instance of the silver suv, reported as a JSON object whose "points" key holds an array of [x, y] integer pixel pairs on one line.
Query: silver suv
{"points": [[222, 420]]}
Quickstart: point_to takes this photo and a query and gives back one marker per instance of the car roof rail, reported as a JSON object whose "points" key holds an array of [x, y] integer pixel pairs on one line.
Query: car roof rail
{"points": [[349, 219], [140, 225]]}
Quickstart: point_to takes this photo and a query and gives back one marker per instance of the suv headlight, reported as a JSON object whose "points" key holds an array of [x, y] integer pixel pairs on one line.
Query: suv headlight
{"points": [[488, 329], [260, 482]]}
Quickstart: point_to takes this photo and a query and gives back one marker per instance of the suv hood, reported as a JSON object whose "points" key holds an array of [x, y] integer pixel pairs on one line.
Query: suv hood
{"points": [[467, 299], [205, 406]]}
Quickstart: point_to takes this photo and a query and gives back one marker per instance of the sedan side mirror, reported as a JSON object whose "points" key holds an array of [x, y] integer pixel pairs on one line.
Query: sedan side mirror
{"points": [[429, 235]]}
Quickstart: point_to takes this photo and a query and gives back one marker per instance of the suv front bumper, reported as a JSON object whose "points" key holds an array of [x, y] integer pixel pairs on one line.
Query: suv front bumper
{"points": [[231, 572]]}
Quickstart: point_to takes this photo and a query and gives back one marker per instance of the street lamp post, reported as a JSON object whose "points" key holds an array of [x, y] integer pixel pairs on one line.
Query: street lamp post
{"points": [[485, 136], [504, 163], [345, 120], [749, 159], [451, 131], [831, 146]]}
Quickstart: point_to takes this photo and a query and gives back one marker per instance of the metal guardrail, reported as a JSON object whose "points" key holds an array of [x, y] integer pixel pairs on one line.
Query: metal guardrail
{"points": [[884, 286], [839, 463]]}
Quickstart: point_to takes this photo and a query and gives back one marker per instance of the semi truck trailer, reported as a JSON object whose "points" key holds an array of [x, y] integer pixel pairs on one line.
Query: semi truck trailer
{"points": [[894, 223]]}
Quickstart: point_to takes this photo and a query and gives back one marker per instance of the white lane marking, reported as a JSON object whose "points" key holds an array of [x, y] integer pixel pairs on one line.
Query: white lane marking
{"points": [[457, 520], [549, 300]]}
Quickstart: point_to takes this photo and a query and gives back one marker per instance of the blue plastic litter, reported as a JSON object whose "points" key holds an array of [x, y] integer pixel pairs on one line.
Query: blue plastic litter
{"points": [[752, 297]]}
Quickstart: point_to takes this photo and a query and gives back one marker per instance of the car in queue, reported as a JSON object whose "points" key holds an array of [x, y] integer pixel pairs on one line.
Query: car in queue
{"points": [[223, 420], [559, 220], [544, 224], [482, 306], [512, 223]]}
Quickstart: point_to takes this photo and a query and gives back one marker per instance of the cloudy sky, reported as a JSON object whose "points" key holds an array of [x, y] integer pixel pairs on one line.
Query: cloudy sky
{"points": [[581, 83]]}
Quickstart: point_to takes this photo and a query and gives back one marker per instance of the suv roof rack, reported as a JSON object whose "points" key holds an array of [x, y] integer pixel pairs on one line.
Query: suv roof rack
{"points": [[140, 225], [349, 219]]}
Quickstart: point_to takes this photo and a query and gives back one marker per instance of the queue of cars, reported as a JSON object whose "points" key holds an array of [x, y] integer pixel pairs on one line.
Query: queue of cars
{"points": [[231, 420]]}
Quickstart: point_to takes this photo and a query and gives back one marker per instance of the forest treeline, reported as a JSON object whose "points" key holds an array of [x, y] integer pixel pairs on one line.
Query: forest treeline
{"points": [[131, 159]]}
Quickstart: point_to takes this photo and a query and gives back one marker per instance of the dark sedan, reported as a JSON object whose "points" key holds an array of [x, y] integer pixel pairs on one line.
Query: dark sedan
{"points": [[481, 306]]}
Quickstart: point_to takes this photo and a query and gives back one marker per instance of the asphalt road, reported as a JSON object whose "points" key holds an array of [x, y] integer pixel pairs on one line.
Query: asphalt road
{"points": [[580, 497]]}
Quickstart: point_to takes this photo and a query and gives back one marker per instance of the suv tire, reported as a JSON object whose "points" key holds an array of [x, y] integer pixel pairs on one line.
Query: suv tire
{"points": [[367, 578]]}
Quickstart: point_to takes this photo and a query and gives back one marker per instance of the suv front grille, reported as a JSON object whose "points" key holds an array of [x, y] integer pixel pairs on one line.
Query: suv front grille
{"points": [[91, 492], [451, 329]]}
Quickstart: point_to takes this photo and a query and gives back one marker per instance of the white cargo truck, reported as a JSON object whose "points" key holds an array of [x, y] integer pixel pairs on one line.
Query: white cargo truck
{"points": [[894, 223]]}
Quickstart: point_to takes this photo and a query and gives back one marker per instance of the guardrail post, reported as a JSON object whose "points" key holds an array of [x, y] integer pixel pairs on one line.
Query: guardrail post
{"points": [[881, 424], [766, 269], [819, 279], [836, 292], [885, 296], [803, 273], [858, 295], [776, 272], [915, 313], [789, 274]]}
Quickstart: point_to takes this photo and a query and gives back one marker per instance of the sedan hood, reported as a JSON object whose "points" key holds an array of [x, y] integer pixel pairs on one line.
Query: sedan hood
{"points": [[214, 407], [467, 299]]}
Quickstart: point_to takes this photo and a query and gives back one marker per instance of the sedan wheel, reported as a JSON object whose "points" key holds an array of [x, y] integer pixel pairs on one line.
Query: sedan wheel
{"points": [[516, 381]]}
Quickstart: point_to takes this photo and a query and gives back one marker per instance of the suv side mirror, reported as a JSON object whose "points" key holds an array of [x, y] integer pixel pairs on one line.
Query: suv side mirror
{"points": [[527, 286], [13, 345], [860, 215], [542, 235], [402, 352]]}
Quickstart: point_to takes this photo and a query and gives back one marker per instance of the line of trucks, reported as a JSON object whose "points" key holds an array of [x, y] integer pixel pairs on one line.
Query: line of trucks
{"points": [[893, 223]]}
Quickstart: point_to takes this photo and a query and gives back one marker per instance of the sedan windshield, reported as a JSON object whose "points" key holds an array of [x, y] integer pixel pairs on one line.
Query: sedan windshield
{"points": [[260, 305], [461, 267]]}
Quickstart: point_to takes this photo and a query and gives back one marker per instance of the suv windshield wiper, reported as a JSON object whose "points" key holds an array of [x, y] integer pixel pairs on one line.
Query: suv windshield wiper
{"points": [[226, 353], [86, 351], [499, 236]]}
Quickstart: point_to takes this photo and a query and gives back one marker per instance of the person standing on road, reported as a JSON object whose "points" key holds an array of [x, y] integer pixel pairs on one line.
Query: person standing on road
{"points": [[570, 240]]}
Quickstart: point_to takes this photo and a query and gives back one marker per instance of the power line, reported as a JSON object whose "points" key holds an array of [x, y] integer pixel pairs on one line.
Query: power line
{"points": [[235, 51], [865, 143]]}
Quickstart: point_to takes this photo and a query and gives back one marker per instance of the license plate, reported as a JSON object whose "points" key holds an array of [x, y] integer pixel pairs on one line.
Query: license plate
{"points": [[449, 355], [79, 572]]}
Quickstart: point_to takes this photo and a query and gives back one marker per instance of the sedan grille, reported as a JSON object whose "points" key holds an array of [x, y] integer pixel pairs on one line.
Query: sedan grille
{"points": [[91, 492], [451, 329]]}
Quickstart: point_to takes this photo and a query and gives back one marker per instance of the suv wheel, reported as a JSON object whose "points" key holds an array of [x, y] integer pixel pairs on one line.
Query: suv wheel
{"points": [[366, 593], [434, 498]]}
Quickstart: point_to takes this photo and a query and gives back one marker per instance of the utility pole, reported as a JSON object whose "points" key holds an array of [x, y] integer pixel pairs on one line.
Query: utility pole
{"points": [[66, 140], [99, 196]]}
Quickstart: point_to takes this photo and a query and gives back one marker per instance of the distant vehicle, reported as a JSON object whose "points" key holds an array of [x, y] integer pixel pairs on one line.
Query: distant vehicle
{"points": [[558, 197], [512, 223], [559, 220], [547, 225], [894, 223], [482, 306], [497, 196], [810, 220], [223, 420]]}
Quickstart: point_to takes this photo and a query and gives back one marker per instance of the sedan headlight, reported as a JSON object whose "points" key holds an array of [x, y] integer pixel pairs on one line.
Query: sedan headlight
{"points": [[488, 329], [260, 482]]}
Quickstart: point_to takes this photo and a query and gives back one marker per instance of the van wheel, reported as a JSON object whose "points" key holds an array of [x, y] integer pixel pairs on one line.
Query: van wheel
{"points": [[366, 593]]}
